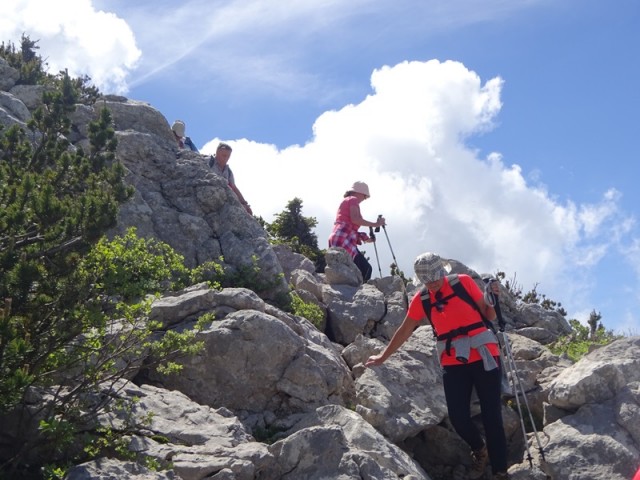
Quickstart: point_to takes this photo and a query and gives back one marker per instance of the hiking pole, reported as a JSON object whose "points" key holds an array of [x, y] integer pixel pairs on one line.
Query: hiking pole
{"points": [[404, 287], [517, 386], [375, 248], [384, 227], [519, 390], [514, 387]]}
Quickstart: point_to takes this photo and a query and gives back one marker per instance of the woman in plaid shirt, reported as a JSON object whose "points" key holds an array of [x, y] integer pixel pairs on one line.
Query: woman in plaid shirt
{"points": [[348, 220]]}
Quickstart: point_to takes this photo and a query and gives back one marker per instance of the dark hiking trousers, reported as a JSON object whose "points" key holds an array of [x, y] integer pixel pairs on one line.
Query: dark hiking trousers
{"points": [[363, 265], [459, 381]]}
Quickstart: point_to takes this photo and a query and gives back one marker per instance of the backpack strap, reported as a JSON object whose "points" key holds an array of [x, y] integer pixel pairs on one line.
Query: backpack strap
{"points": [[425, 297], [458, 290]]}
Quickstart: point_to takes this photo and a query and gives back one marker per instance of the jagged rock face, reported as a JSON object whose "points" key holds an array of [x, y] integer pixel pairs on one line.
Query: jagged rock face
{"points": [[178, 199], [273, 397], [8, 75]]}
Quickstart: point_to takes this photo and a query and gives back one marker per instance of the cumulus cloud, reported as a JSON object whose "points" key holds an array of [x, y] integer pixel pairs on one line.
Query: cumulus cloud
{"points": [[406, 140], [75, 36]]}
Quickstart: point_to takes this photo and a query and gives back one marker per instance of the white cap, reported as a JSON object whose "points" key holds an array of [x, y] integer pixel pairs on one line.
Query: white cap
{"points": [[360, 187]]}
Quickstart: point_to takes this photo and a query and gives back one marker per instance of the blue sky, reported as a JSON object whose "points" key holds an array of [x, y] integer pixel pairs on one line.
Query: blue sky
{"points": [[500, 133]]}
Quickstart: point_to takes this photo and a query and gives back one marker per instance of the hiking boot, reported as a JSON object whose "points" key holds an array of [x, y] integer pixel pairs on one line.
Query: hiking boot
{"points": [[480, 459], [501, 476]]}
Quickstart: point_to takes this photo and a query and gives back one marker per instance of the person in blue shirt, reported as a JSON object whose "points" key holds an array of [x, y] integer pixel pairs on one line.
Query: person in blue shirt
{"points": [[184, 142]]}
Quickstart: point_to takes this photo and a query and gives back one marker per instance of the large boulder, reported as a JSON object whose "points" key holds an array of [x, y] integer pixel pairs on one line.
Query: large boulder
{"points": [[599, 376], [336, 443], [254, 361], [403, 396]]}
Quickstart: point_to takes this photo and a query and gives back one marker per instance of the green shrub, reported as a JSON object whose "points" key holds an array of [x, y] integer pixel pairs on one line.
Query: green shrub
{"points": [[582, 340], [210, 272], [132, 267], [250, 277], [58, 273], [25, 60], [293, 229], [310, 311], [56, 203]]}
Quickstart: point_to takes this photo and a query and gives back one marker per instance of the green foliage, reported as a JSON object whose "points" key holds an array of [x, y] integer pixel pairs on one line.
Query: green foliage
{"points": [[172, 345], [250, 277], [53, 472], [152, 463], [55, 201], [160, 439], [295, 230], [310, 311], [74, 307], [62, 328], [395, 270], [290, 223], [132, 267], [32, 71], [109, 442], [594, 323], [583, 339], [210, 272], [25, 60]]}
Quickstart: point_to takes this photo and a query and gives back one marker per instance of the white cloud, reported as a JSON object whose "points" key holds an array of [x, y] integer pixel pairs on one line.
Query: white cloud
{"points": [[593, 216], [73, 35], [406, 141]]}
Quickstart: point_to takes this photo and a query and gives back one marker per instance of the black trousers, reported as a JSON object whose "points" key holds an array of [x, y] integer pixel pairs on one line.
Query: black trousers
{"points": [[363, 265], [459, 381]]}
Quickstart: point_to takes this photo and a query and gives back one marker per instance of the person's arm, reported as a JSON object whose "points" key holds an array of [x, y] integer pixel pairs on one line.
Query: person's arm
{"points": [[488, 311], [236, 190], [356, 217], [244, 203], [403, 332]]}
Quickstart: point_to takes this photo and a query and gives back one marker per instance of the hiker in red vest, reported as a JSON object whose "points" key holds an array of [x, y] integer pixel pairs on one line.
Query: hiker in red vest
{"points": [[345, 228], [637, 475], [469, 354]]}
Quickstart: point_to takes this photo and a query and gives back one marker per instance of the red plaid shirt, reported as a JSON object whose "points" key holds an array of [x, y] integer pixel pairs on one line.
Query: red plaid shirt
{"points": [[345, 234]]}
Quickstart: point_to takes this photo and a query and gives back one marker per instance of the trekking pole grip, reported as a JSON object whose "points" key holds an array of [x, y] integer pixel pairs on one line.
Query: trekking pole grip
{"points": [[495, 300], [501, 322], [378, 228]]}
